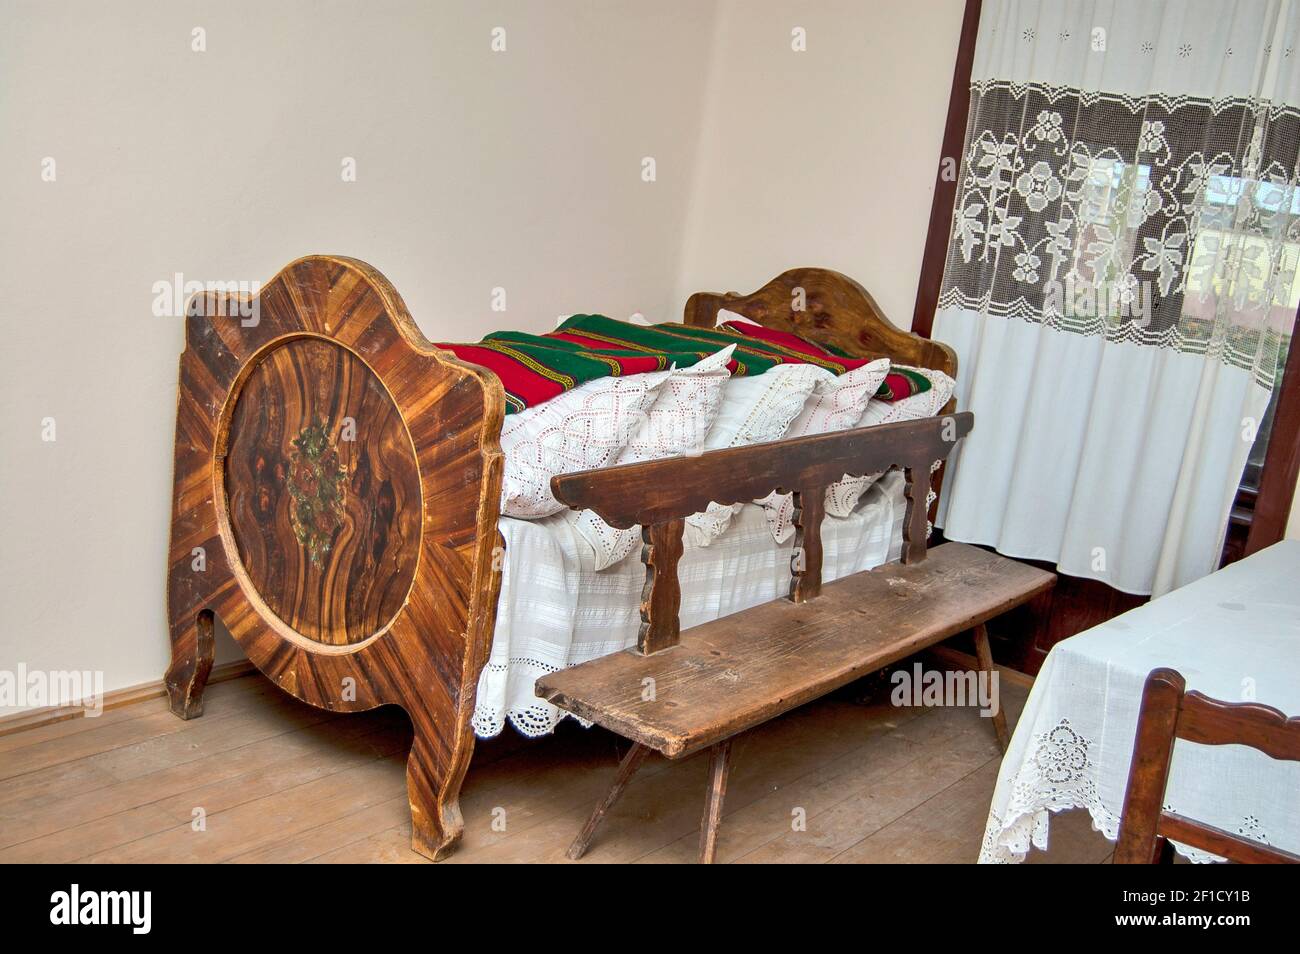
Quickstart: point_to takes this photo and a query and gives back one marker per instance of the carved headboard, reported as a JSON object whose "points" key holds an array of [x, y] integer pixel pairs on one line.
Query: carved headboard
{"points": [[836, 310]]}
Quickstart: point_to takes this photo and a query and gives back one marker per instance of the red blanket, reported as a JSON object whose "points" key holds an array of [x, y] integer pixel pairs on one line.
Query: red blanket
{"points": [[536, 368]]}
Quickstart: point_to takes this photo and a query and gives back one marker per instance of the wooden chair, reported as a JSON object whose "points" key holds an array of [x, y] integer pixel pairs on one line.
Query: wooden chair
{"points": [[1169, 712]]}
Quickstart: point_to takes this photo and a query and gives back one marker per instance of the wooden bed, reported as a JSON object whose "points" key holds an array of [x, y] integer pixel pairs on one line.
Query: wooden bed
{"points": [[336, 490]]}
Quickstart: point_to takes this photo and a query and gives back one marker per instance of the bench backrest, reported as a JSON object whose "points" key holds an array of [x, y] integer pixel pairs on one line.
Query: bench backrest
{"points": [[660, 494]]}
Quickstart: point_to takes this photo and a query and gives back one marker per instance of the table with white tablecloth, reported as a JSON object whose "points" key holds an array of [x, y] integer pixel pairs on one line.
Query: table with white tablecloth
{"points": [[1235, 636]]}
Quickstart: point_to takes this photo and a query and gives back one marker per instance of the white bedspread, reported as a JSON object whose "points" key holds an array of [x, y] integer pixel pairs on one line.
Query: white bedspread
{"points": [[556, 610]]}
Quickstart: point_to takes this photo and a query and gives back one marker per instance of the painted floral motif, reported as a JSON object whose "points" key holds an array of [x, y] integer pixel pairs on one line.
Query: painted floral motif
{"points": [[317, 488]]}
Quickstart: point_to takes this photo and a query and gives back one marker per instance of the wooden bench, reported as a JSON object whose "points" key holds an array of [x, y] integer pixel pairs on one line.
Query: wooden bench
{"points": [[680, 692]]}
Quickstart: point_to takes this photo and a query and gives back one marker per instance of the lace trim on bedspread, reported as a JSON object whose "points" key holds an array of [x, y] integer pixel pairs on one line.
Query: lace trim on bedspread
{"points": [[534, 720], [1057, 777]]}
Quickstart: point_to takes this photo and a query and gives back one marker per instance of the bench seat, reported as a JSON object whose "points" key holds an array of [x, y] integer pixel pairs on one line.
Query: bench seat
{"points": [[734, 673]]}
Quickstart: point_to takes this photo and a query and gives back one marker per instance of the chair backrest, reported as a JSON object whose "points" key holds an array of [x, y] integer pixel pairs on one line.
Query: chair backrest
{"points": [[1170, 712]]}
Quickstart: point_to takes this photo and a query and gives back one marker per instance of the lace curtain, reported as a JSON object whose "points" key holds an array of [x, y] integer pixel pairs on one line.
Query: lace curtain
{"points": [[1138, 218], [1121, 279]]}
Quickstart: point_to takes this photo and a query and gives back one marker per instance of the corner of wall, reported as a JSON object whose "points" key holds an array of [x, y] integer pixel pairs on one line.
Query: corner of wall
{"points": [[691, 226]]}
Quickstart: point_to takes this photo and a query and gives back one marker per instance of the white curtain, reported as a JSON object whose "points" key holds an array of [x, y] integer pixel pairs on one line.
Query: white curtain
{"points": [[1121, 277]]}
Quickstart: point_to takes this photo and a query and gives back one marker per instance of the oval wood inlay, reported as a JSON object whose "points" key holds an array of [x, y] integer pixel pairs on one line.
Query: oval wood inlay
{"points": [[323, 491]]}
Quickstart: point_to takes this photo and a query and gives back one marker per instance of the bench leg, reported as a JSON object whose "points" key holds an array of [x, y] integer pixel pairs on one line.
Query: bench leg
{"points": [[985, 657], [719, 766], [626, 769]]}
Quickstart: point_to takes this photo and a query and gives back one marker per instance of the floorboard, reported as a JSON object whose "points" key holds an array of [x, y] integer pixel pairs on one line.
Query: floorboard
{"points": [[262, 778]]}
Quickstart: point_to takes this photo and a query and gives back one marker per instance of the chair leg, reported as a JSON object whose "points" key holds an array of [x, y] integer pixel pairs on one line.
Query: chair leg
{"points": [[626, 769], [1139, 841], [985, 657], [719, 766], [1164, 851]]}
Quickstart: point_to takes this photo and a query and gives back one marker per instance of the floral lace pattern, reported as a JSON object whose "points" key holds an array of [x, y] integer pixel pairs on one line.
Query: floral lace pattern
{"points": [[843, 496], [1159, 220], [1053, 778], [754, 411], [533, 721], [676, 424], [581, 429], [836, 405], [1057, 776]]}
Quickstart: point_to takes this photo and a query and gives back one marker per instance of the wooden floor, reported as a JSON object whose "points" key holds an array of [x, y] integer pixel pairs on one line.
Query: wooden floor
{"points": [[275, 780]]}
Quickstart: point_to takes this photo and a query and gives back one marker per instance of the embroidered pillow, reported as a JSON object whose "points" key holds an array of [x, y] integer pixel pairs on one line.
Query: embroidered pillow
{"points": [[677, 424], [580, 429], [835, 405], [919, 404], [754, 410], [843, 496]]}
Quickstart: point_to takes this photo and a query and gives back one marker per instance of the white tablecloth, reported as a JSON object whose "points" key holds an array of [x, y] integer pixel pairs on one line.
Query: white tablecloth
{"points": [[1234, 635]]}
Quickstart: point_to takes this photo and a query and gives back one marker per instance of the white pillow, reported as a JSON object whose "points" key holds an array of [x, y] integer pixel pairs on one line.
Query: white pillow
{"points": [[725, 316], [677, 424], [926, 404], [580, 429], [835, 405], [754, 410], [842, 497]]}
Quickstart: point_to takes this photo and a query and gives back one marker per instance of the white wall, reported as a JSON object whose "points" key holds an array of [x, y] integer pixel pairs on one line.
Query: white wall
{"points": [[475, 169], [826, 157]]}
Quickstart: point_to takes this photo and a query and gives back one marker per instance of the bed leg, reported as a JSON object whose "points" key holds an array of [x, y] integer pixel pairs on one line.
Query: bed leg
{"points": [[190, 666], [436, 822]]}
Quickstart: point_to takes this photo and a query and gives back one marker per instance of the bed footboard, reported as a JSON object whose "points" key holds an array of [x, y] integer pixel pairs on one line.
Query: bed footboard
{"points": [[336, 485]]}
